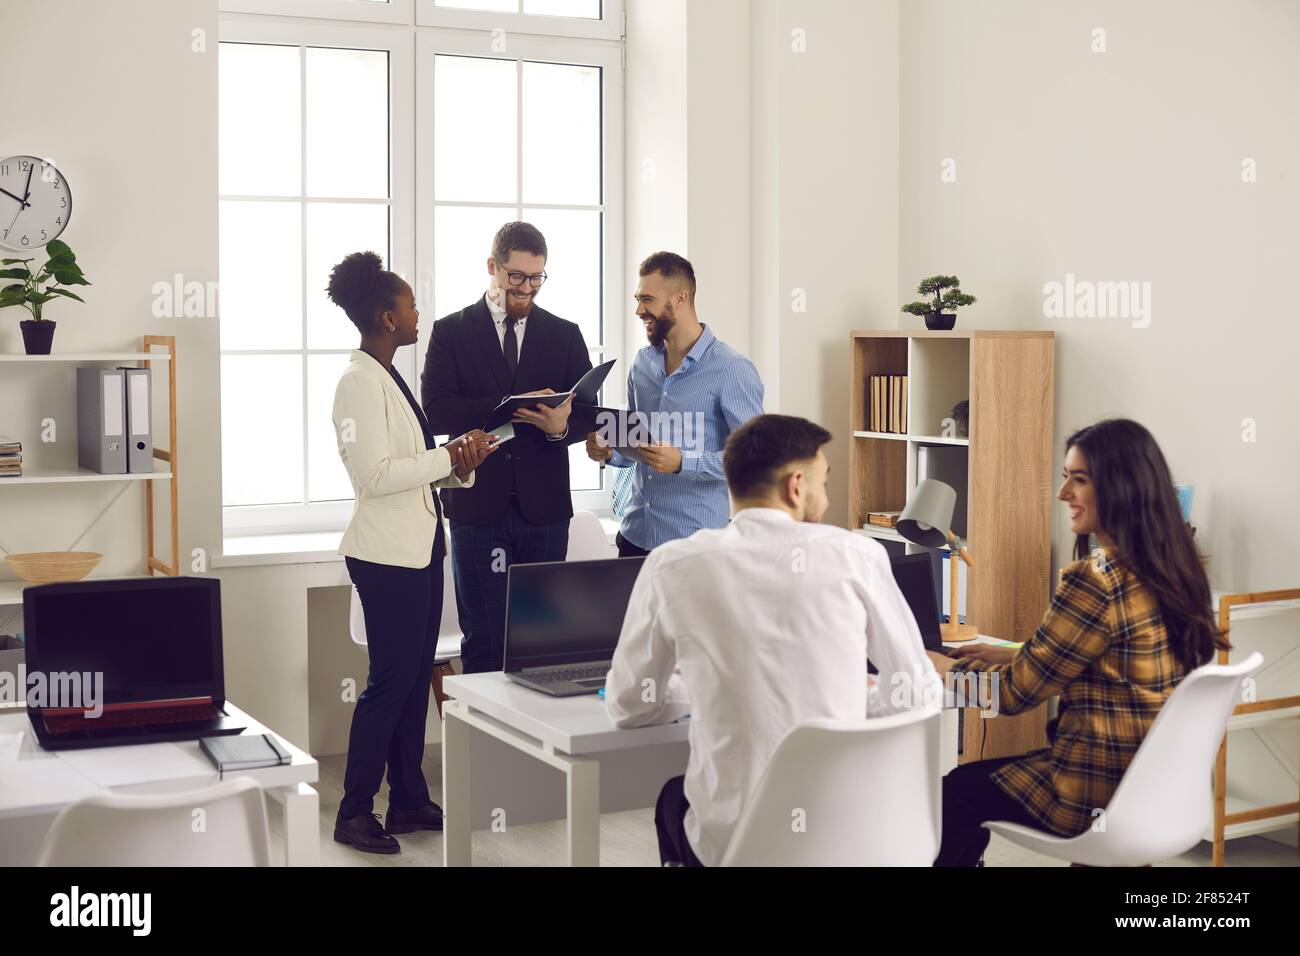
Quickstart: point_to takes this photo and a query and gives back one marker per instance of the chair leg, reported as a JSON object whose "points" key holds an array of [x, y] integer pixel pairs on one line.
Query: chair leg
{"points": [[1220, 801], [440, 671]]}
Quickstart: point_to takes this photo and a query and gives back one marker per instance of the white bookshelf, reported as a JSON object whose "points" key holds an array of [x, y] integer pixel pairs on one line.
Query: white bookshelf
{"points": [[64, 358], [53, 476]]}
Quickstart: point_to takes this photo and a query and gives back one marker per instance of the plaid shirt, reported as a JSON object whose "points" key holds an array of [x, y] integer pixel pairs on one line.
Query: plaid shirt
{"points": [[1102, 646]]}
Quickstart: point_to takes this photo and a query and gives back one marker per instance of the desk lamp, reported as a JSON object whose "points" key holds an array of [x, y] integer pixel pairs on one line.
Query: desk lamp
{"points": [[927, 521]]}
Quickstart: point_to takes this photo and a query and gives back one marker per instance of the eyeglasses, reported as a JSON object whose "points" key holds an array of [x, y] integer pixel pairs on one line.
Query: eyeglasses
{"points": [[516, 279]]}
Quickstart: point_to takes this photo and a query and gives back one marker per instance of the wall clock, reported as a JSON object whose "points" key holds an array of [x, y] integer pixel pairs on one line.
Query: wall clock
{"points": [[35, 202]]}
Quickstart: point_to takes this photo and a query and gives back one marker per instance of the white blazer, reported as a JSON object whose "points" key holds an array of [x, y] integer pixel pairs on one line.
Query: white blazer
{"points": [[382, 447]]}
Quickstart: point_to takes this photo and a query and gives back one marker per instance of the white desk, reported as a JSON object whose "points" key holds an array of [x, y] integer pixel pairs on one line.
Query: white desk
{"points": [[567, 733], [36, 784]]}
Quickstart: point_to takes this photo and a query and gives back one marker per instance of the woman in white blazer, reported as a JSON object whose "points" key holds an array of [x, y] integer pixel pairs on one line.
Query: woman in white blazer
{"points": [[394, 548]]}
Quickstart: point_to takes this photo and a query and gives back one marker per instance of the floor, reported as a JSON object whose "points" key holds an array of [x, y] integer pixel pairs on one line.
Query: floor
{"points": [[628, 838]]}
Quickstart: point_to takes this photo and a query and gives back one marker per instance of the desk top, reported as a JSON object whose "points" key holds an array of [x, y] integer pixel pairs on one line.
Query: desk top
{"points": [[34, 780], [571, 725]]}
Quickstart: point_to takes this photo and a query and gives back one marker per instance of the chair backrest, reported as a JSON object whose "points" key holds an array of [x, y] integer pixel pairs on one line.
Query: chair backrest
{"points": [[356, 618], [1165, 794], [587, 539], [847, 793], [220, 825], [448, 627]]}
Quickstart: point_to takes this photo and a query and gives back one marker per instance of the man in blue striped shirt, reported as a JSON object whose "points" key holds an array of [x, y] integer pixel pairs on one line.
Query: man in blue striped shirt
{"points": [[690, 390]]}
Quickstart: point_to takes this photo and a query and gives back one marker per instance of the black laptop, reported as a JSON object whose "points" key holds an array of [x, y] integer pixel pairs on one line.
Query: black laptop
{"points": [[563, 619], [914, 574], [129, 661]]}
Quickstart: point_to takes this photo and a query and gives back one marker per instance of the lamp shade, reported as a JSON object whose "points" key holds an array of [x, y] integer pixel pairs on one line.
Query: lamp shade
{"points": [[928, 516]]}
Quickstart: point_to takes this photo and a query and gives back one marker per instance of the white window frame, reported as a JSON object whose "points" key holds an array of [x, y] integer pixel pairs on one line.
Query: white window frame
{"points": [[399, 45], [611, 25], [394, 11], [431, 43]]}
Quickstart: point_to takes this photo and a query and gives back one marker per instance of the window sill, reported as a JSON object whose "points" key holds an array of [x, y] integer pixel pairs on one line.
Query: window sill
{"points": [[254, 550]]}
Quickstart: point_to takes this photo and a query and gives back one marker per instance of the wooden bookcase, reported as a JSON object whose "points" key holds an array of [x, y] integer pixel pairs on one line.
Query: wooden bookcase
{"points": [[1009, 379]]}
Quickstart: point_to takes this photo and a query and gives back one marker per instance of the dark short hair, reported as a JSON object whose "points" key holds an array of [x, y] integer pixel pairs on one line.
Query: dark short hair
{"points": [[758, 452], [523, 236], [363, 288], [671, 266]]}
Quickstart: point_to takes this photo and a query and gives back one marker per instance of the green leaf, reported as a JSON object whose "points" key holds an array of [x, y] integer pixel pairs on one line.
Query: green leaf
{"points": [[41, 298], [69, 277], [16, 289], [9, 262], [57, 247], [61, 262], [15, 274], [70, 295]]}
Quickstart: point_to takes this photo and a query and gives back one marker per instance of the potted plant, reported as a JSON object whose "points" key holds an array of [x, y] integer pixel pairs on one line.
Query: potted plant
{"points": [[935, 317], [34, 289]]}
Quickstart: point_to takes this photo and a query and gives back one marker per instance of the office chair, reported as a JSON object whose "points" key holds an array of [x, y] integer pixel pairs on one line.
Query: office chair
{"points": [[220, 825], [1164, 801], [847, 793]]}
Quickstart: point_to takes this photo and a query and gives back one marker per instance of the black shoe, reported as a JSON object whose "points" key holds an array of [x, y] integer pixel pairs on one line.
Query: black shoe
{"points": [[405, 821], [365, 833]]}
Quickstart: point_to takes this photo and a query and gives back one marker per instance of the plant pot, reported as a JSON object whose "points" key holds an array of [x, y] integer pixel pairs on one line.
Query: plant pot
{"points": [[940, 321], [37, 336]]}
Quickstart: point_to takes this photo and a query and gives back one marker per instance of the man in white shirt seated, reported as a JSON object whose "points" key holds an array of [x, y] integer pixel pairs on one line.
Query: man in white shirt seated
{"points": [[756, 627]]}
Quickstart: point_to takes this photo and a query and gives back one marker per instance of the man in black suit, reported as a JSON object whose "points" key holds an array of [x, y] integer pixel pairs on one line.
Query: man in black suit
{"points": [[519, 507]]}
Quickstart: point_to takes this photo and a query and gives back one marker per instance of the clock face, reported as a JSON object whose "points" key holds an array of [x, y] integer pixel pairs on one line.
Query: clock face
{"points": [[35, 202]]}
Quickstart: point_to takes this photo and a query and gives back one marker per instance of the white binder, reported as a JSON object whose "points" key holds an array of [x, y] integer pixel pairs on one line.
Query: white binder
{"points": [[139, 408]]}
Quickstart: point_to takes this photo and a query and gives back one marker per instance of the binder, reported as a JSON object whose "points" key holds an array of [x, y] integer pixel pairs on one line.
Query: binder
{"points": [[584, 393], [139, 409], [101, 420]]}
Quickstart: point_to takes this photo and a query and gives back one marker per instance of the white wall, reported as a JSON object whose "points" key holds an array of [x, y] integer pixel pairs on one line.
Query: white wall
{"points": [[1117, 166]]}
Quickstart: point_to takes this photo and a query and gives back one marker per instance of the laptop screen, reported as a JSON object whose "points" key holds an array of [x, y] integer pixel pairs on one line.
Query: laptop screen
{"points": [[566, 612], [914, 574], [148, 638]]}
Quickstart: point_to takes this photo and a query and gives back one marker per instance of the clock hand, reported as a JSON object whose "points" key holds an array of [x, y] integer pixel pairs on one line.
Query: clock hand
{"points": [[12, 196], [27, 189]]}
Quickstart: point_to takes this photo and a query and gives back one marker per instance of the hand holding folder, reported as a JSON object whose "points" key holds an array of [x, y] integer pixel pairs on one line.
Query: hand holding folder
{"points": [[585, 392]]}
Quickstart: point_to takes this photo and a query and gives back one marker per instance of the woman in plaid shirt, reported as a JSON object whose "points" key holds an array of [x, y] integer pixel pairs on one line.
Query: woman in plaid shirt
{"points": [[1127, 623]]}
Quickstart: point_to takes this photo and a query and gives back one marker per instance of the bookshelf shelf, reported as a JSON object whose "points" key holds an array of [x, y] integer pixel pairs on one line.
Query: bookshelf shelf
{"points": [[1005, 461]]}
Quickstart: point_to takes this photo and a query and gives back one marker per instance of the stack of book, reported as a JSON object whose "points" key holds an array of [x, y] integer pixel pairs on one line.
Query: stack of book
{"points": [[889, 403], [11, 458], [882, 519]]}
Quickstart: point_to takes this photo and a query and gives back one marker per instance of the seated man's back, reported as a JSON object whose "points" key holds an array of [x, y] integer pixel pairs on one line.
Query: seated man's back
{"points": [[770, 621]]}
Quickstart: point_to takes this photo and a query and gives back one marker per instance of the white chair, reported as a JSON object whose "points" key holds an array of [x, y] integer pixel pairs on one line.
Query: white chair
{"points": [[866, 792], [118, 829], [587, 539], [449, 632], [1163, 802]]}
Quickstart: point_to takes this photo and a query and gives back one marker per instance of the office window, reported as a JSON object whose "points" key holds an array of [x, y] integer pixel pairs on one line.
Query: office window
{"points": [[304, 180]]}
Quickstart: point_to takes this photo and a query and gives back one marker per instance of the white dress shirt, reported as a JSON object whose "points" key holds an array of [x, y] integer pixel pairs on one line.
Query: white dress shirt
{"points": [[499, 320], [770, 621]]}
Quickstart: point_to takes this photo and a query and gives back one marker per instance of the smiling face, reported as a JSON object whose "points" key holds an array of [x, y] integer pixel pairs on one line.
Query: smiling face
{"points": [[518, 298], [1079, 493], [655, 298], [404, 318]]}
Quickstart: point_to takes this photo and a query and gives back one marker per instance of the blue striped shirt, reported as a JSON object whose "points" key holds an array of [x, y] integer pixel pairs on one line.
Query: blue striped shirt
{"points": [[713, 392]]}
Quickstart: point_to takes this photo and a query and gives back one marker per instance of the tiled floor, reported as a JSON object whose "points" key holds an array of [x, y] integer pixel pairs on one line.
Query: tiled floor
{"points": [[628, 839]]}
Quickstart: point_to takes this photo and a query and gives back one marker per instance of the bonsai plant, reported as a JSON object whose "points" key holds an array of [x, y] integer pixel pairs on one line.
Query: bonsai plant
{"points": [[953, 298], [35, 289]]}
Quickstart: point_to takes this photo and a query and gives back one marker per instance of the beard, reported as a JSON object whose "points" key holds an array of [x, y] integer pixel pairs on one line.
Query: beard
{"points": [[518, 308], [663, 324]]}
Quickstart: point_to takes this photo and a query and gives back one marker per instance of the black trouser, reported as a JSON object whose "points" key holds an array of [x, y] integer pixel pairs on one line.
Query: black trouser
{"points": [[971, 798], [626, 549], [670, 819], [403, 609], [480, 557]]}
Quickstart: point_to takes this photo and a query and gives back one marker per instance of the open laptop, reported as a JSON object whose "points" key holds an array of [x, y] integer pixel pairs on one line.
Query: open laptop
{"points": [[145, 651], [563, 619], [914, 574]]}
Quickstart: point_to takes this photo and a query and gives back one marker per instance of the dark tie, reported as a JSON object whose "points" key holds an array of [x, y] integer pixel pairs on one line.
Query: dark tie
{"points": [[511, 347]]}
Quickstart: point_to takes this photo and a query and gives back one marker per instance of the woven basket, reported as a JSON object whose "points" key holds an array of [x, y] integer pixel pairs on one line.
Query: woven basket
{"points": [[45, 567]]}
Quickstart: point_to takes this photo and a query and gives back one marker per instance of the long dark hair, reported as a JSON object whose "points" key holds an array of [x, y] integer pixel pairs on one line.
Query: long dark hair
{"points": [[1137, 508]]}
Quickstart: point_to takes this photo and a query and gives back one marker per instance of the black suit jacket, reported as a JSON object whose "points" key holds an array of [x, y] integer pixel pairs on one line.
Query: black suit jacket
{"points": [[465, 377]]}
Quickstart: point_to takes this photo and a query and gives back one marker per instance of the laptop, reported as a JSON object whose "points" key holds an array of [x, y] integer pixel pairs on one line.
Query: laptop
{"points": [[146, 652], [914, 574], [563, 619]]}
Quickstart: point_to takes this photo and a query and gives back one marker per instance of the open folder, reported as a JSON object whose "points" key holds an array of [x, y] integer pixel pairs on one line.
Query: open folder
{"points": [[586, 392], [627, 432]]}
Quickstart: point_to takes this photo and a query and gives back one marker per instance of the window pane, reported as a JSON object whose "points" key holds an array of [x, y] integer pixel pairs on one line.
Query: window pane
{"points": [[333, 231], [584, 474], [260, 141], [261, 430], [347, 123], [462, 245], [327, 479], [589, 9], [474, 129], [573, 289], [496, 6], [261, 275], [561, 134]]}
